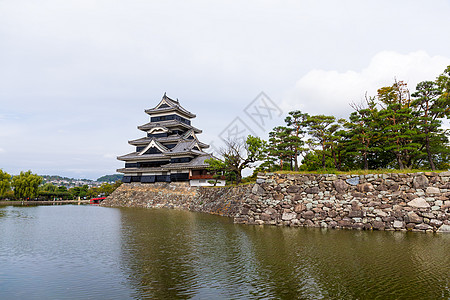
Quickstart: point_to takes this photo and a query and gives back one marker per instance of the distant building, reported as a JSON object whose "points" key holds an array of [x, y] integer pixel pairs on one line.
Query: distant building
{"points": [[170, 151]]}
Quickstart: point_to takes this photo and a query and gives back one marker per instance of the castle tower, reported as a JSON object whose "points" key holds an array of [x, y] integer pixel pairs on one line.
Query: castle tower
{"points": [[170, 151]]}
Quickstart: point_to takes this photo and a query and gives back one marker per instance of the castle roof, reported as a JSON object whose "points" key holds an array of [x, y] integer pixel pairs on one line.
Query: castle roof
{"points": [[168, 105], [196, 163], [168, 124], [183, 147]]}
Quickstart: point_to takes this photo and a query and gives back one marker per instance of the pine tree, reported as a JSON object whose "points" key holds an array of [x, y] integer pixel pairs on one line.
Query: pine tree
{"points": [[429, 109], [297, 122], [399, 124], [321, 129], [280, 145], [362, 131]]}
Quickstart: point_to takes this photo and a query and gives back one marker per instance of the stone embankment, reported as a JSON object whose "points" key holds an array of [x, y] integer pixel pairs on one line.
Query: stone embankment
{"points": [[223, 201], [413, 201]]}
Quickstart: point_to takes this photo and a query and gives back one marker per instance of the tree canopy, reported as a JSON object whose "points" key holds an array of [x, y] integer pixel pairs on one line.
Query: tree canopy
{"points": [[26, 185], [394, 129], [5, 183]]}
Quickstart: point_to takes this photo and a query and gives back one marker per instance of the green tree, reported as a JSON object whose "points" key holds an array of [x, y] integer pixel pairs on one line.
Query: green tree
{"points": [[238, 155], [5, 183], [79, 191], [399, 124], [217, 167], [430, 107], [280, 148], [443, 82], [297, 122], [363, 131], [313, 162], [26, 185], [48, 187], [321, 128]]}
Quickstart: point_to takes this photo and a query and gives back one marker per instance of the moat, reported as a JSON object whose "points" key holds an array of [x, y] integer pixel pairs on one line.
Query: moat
{"points": [[86, 252]]}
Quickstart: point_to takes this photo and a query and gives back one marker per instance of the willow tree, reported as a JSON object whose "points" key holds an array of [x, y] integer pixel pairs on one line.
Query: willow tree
{"points": [[26, 185], [5, 183]]}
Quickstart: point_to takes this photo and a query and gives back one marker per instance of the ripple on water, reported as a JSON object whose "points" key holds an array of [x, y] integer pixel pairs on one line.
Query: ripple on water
{"points": [[102, 253]]}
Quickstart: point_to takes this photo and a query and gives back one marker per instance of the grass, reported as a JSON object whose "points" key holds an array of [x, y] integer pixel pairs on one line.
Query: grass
{"points": [[359, 172]]}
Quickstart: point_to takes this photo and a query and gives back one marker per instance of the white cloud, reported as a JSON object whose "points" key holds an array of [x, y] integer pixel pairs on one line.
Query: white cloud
{"points": [[331, 92]]}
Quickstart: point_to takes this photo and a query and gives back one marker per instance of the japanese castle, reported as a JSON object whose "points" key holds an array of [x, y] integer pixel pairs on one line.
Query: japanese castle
{"points": [[170, 151]]}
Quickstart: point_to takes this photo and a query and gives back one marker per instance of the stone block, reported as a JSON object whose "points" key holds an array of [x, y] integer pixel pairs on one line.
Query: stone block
{"points": [[287, 216], [432, 190], [265, 217], [278, 197], [345, 223], [419, 203], [445, 205], [312, 190], [299, 207], [365, 187], [308, 215], [378, 225], [309, 223], [340, 185], [398, 224], [270, 211], [358, 226], [410, 226], [444, 229], [352, 180], [423, 226], [420, 182], [356, 214], [412, 217], [332, 213], [292, 189], [258, 190], [436, 222]]}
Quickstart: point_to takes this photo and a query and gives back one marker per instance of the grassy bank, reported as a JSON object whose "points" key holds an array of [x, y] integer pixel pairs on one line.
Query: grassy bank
{"points": [[360, 172]]}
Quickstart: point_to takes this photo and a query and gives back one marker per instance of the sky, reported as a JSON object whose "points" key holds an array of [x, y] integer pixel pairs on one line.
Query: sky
{"points": [[77, 75]]}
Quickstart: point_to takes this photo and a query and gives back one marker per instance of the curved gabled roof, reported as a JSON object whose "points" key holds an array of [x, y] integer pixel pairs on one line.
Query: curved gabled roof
{"points": [[168, 124], [170, 139], [167, 105], [197, 162]]}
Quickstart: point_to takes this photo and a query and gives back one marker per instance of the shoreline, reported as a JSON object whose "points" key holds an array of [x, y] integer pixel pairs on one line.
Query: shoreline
{"points": [[39, 202]]}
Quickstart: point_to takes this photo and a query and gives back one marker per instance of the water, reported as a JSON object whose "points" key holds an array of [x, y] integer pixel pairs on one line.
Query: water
{"points": [[86, 252]]}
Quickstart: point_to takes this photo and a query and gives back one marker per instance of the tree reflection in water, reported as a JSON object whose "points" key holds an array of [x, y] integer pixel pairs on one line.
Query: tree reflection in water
{"points": [[175, 254]]}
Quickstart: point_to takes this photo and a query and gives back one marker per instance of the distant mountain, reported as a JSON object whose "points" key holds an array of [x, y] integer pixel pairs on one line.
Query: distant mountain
{"points": [[109, 178]]}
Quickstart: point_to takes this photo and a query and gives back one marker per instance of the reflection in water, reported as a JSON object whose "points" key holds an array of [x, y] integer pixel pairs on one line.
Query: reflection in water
{"points": [[85, 252], [60, 252], [174, 254]]}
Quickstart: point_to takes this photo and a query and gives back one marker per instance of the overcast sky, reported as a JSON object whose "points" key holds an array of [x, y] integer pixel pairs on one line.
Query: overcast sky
{"points": [[76, 75]]}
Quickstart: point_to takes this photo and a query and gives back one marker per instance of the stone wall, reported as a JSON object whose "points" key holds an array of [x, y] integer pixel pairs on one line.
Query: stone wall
{"points": [[413, 201], [224, 201]]}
